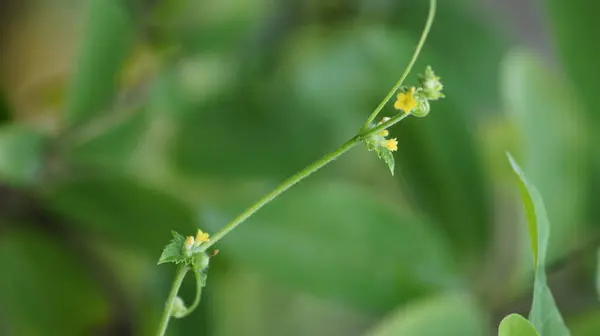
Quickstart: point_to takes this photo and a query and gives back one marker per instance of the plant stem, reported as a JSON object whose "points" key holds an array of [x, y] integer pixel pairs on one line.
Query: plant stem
{"points": [[199, 286], [285, 185], [428, 23], [364, 133], [164, 321]]}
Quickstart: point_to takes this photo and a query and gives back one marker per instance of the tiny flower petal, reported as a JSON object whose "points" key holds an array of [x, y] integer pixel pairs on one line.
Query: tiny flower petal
{"points": [[406, 101], [383, 133], [391, 144], [189, 242], [201, 237]]}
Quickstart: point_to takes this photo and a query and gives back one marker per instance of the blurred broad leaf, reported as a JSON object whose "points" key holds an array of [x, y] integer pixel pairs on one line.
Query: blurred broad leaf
{"points": [[544, 314], [122, 209], [21, 154], [105, 44], [43, 291], [449, 314], [575, 24], [516, 325], [553, 134], [339, 241], [115, 145]]}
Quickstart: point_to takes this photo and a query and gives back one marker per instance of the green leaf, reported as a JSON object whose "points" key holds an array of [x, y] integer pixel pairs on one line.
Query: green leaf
{"points": [[451, 314], [105, 44], [544, 314], [387, 156], [516, 325], [121, 209], [173, 252], [21, 154], [44, 290], [338, 241], [554, 140]]}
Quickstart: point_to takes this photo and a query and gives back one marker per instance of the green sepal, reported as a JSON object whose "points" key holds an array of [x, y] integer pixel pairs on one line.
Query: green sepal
{"points": [[387, 156], [423, 106], [431, 84], [200, 262], [173, 252], [179, 309]]}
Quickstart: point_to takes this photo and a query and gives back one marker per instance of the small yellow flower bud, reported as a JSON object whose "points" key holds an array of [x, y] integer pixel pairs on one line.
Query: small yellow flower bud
{"points": [[383, 133], [201, 237], [391, 144], [406, 101], [189, 242]]}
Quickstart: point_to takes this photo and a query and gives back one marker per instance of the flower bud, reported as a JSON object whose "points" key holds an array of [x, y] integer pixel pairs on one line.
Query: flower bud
{"points": [[423, 107], [431, 85], [179, 308]]}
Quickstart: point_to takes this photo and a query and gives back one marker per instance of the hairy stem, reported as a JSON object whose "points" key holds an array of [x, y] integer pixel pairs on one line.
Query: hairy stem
{"points": [[199, 286], [430, 16], [164, 321], [285, 185]]}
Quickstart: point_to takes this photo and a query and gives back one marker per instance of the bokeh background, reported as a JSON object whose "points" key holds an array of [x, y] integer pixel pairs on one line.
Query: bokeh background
{"points": [[125, 119]]}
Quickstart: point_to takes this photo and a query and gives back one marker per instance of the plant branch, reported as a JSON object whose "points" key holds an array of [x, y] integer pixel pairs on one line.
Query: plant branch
{"points": [[285, 185], [280, 189], [199, 286], [428, 23], [164, 321]]}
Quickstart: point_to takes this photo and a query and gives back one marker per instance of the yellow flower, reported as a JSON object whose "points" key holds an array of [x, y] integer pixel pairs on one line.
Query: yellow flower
{"points": [[406, 101], [189, 242], [201, 237], [384, 133], [391, 144]]}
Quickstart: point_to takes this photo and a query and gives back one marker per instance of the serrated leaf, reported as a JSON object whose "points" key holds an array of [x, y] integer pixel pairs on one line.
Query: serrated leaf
{"points": [[387, 156], [544, 313], [516, 325], [173, 251]]}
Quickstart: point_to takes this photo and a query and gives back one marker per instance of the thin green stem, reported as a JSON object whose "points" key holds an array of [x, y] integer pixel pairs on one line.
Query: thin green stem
{"points": [[285, 185], [364, 133], [164, 321], [199, 286], [280, 189], [393, 121], [428, 23]]}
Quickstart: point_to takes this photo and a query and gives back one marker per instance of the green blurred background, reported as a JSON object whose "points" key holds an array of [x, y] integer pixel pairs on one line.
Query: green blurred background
{"points": [[125, 119]]}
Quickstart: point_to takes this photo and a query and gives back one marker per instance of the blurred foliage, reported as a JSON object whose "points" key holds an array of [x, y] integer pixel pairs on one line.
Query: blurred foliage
{"points": [[544, 314], [126, 119]]}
